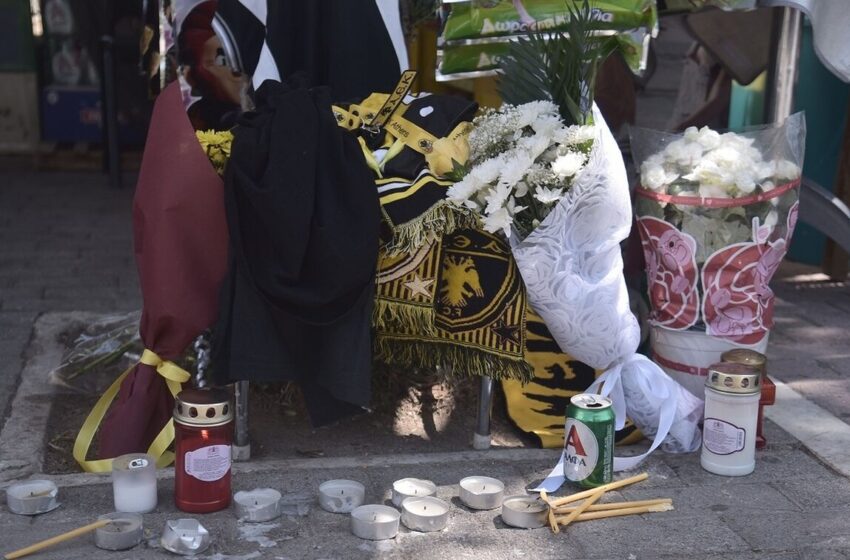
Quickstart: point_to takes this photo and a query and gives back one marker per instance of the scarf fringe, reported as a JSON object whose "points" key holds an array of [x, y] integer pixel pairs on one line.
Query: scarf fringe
{"points": [[458, 361], [389, 316], [441, 219]]}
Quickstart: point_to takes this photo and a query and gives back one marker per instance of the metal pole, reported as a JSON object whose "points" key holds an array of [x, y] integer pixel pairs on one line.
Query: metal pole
{"points": [[481, 438], [241, 439], [785, 61], [109, 112]]}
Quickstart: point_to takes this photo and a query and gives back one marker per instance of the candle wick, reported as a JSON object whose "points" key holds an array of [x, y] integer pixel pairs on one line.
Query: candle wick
{"points": [[375, 517], [256, 503]]}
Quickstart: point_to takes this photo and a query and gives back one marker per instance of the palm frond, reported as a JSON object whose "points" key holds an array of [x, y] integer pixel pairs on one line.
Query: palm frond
{"points": [[560, 67]]}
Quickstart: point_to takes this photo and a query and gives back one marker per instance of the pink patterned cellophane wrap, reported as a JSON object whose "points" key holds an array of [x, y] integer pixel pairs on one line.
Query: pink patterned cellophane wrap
{"points": [[710, 259]]}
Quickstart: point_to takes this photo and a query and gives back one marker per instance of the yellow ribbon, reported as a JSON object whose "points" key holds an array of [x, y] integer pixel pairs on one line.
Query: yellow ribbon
{"points": [[174, 376]]}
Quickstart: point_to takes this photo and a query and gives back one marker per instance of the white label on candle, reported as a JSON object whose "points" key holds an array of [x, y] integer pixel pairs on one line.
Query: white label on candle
{"points": [[723, 438], [581, 451], [208, 463]]}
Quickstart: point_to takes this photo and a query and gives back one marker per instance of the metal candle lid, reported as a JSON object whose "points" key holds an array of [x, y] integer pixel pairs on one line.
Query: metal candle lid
{"points": [[203, 407], [746, 357], [728, 377]]}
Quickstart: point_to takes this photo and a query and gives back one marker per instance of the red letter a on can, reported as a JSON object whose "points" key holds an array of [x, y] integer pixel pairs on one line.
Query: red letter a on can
{"points": [[573, 439]]}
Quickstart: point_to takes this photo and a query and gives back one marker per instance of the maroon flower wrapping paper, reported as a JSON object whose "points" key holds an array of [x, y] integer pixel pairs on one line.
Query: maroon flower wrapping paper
{"points": [[181, 238]]}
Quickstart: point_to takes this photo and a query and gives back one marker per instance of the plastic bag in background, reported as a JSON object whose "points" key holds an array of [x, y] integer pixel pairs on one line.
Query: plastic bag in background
{"points": [[99, 352], [573, 271], [715, 213]]}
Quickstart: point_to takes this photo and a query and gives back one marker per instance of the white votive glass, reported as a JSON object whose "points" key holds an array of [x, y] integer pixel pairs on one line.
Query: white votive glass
{"points": [[134, 483], [124, 532], [341, 496], [255, 506], [32, 497], [412, 488], [525, 512], [425, 514], [482, 492], [375, 522]]}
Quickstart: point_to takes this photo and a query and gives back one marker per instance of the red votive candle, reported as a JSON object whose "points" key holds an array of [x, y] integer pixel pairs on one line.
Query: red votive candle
{"points": [[203, 433]]}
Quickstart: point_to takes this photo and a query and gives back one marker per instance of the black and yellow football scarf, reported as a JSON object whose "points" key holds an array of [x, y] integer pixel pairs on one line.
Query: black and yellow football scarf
{"points": [[457, 302]]}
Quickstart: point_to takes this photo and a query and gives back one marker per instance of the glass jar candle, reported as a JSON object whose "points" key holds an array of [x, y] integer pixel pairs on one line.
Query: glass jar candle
{"points": [[203, 434], [134, 483], [732, 393]]}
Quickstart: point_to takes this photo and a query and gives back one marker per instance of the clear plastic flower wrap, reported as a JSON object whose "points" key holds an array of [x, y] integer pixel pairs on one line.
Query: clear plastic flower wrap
{"points": [[715, 212], [573, 272], [97, 352]]}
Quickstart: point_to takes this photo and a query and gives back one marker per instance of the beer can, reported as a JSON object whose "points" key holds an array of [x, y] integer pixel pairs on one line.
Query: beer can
{"points": [[589, 440]]}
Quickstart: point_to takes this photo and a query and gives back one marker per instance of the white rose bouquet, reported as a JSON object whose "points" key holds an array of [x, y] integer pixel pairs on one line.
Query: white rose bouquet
{"points": [[715, 213]]}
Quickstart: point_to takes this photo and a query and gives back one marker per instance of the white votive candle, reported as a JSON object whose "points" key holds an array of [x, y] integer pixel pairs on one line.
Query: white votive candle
{"points": [[412, 488], [134, 483], [424, 514], [124, 532], [481, 492], [32, 497], [260, 504], [341, 496], [375, 522], [525, 512]]}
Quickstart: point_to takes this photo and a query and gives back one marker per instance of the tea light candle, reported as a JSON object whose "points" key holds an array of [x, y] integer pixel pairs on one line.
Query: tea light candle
{"points": [[32, 497], [134, 483], [525, 512], [375, 522], [425, 514], [481, 492], [125, 531], [341, 496], [412, 488], [185, 536], [260, 504]]}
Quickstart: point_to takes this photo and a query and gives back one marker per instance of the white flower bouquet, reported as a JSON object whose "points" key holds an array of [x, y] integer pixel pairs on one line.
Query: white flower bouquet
{"points": [[715, 213], [522, 159], [551, 177]]}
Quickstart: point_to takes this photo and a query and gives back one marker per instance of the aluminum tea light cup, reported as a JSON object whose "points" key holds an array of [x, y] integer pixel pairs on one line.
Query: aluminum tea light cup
{"points": [[525, 512], [185, 537], [412, 488], [260, 504], [375, 522], [32, 497], [481, 492], [341, 496], [124, 532], [425, 514]]}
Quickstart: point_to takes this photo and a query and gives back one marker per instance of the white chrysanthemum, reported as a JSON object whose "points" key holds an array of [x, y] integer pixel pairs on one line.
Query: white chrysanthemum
{"points": [[786, 169], [487, 171], [463, 189], [768, 186], [535, 145], [516, 165], [513, 207], [496, 197], [691, 134], [547, 195], [568, 165], [575, 135], [498, 220]]}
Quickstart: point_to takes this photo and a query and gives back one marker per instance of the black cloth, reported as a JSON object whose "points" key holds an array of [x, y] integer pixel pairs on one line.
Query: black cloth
{"points": [[343, 44], [304, 219]]}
